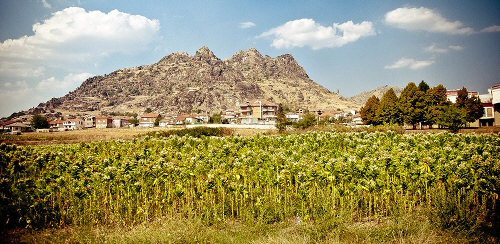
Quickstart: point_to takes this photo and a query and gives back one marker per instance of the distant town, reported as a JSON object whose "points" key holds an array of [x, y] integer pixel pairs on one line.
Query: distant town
{"points": [[257, 113]]}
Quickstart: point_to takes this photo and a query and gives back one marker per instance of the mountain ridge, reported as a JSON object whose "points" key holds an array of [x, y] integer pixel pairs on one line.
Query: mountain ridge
{"points": [[179, 82]]}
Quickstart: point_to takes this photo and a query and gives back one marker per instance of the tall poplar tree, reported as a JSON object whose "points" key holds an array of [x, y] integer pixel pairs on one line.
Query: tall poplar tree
{"points": [[472, 105], [422, 86], [412, 106], [369, 111], [388, 110], [436, 103]]}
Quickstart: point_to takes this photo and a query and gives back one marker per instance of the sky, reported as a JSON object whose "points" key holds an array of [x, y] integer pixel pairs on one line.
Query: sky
{"points": [[49, 47]]}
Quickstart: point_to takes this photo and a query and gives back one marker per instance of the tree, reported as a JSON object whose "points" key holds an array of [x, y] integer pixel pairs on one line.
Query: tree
{"points": [[412, 106], [369, 111], [308, 121], [39, 122], [452, 118], [281, 120], [388, 111], [133, 121], [472, 105], [436, 102], [157, 120], [462, 97], [148, 110], [422, 86], [215, 119], [474, 109]]}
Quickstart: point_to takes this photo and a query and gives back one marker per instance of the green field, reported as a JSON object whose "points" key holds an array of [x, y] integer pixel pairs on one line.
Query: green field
{"points": [[313, 187]]}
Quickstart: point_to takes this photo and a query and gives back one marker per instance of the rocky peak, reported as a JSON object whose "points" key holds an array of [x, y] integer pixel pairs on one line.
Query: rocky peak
{"points": [[204, 54], [175, 58]]}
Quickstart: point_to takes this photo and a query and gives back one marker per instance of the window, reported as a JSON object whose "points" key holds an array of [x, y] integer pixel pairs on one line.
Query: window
{"points": [[489, 112]]}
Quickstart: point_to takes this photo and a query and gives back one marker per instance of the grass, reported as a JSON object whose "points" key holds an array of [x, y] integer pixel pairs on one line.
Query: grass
{"points": [[404, 229]]}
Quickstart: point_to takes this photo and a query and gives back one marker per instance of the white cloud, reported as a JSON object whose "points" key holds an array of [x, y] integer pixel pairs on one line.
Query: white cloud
{"points": [[435, 49], [409, 63], [70, 82], [246, 25], [74, 32], [493, 28], [18, 69], [306, 32], [46, 4], [70, 41], [20, 95], [456, 47], [424, 19]]}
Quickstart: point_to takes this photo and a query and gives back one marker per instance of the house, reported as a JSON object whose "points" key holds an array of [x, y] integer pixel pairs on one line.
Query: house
{"points": [[18, 127], [258, 112], [56, 125], [452, 97], [73, 124], [230, 116], [187, 119], [495, 100], [89, 121], [294, 117], [356, 119], [120, 122], [148, 119], [103, 122], [169, 122], [203, 118], [4, 125], [491, 105], [453, 94]]}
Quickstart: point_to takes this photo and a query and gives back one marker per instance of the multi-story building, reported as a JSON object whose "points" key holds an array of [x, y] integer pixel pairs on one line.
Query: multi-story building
{"points": [[120, 122], [148, 119], [73, 124], [490, 102], [89, 121], [453, 94], [258, 111], [103, 122]]}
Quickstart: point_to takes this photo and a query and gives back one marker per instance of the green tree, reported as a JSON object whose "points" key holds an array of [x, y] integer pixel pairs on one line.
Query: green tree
{"points": [[452, 118], [436, 102], [215, 119], [412, 105], [308, 121], [281, 121], [462, 97], [39, 122], [157, 120], [475, 109], [148, 110], [472, 105], [422, 86], [388, 111], [369, 111], [133, 121]]}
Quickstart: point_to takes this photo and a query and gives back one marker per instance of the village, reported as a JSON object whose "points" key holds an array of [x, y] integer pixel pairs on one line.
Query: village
{"points": [[256, 114], [253, 114]]}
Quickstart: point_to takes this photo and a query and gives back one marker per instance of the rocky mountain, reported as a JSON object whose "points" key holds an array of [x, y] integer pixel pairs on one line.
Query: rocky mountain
{"points": [[182, 83], [362, 97]]}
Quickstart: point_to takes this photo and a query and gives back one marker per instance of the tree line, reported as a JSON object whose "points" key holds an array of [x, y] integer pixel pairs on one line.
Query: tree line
{"points": [[422, 105]]}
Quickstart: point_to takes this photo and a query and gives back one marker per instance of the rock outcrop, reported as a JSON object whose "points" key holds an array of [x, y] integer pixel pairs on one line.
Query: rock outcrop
{"points": [[182, 83]]}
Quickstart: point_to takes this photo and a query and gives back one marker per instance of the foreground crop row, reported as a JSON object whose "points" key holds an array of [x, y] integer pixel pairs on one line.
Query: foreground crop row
{"points": [[454, 178]]}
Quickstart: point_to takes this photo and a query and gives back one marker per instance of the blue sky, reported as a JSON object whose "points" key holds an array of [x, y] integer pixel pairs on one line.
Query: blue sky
{"points": [[48, 47]]}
